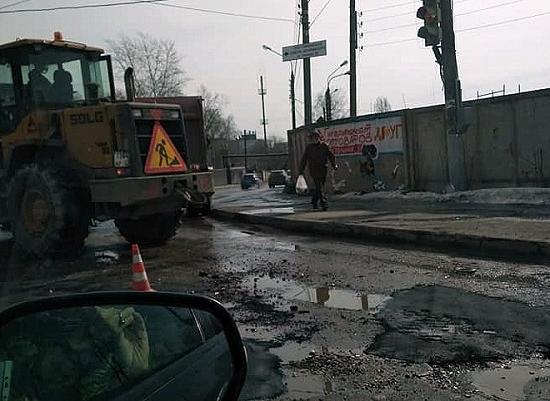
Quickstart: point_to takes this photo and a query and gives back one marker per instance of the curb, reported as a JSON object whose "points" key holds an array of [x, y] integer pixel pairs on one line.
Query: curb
{"points": [[366, 233]]}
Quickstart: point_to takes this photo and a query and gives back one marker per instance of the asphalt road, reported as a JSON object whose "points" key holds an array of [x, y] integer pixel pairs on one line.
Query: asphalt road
{"points": [[326, 319]]}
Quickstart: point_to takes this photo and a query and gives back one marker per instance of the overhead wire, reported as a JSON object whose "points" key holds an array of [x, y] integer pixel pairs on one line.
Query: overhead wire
{"points": [[320, 12], [16, 3], [456, 15], [228, 13], [79, 7], [386, 17], [157, 2], [499, 23], [391, 6]]}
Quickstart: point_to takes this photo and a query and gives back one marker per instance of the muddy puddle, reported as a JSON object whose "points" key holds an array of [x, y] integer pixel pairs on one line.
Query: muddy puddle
{"points": [[518, 381], [268, 378], [291, 291], [304, 385]]}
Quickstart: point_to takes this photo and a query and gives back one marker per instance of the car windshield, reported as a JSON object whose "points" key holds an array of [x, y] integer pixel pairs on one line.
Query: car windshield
{"points": [[363, 184], [53, 77]]}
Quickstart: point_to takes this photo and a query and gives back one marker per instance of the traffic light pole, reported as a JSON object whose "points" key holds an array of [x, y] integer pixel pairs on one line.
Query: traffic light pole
{"points": [[453, 99], [307, 65]]}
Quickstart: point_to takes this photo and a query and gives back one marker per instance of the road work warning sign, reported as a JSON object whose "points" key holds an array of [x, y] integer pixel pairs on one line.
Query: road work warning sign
{"points": [[163, 157]]}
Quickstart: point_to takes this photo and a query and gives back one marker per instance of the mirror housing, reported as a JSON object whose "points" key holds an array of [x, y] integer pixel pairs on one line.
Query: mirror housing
{"points": [[30, 315]]}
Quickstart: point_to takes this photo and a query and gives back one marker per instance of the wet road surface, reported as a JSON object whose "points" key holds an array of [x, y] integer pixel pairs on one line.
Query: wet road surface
{"points": [[325, 319]]}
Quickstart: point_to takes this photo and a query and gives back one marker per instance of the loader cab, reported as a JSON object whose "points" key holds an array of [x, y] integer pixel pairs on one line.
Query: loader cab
{"points": [[50, 75]]}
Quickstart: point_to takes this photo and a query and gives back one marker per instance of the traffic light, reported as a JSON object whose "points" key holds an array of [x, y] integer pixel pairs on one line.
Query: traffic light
{"points": [[431, 15]]}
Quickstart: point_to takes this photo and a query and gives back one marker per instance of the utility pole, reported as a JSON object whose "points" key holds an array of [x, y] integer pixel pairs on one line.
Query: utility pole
{"points": [[352, 58], [262, 93], [245, 152], [293, 99], [307, 64], [453, 99]]}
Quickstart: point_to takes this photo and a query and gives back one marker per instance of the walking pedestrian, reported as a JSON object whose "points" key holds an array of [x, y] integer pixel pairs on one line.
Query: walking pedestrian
{"points": [[317, 156]]}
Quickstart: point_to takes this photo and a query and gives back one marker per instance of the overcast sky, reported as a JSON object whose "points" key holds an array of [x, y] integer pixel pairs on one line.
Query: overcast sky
{"points": [[224, 53]]}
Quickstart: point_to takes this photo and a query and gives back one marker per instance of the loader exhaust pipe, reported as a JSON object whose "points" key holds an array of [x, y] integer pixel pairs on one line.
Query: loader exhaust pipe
{"points": [[130, 84]]}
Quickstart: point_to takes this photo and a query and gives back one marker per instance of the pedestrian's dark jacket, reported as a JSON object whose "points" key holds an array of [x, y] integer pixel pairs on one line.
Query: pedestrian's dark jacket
{"points": [[317, 156]]}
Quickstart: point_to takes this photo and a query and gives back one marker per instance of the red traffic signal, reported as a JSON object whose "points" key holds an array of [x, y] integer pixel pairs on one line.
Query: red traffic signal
{"points": [[430, 14]]}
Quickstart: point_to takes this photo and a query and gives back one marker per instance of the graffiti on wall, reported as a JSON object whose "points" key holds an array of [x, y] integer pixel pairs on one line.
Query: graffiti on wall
{"points": [[386, 134], [367, 167]]}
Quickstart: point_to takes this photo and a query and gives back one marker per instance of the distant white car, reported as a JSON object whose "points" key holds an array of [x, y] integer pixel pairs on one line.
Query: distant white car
{"points": [[278, 177]]}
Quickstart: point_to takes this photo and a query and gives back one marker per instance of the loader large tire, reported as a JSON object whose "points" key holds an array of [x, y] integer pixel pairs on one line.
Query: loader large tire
{"points": [[48, 214], [149, 230]]}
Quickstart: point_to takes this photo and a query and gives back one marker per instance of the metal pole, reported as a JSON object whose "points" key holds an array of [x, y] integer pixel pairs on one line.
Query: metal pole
{"points": [[307, 64], [293, 99], [455, 146], [327, 104], [264, 122], [353, 59], [245, 154]]}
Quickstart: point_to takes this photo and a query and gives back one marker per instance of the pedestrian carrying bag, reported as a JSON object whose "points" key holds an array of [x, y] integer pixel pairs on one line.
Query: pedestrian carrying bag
{"points": [[301, 185]]}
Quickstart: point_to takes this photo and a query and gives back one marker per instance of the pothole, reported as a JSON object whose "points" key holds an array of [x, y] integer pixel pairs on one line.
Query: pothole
{"points": [[290, 290], [440, 325]]}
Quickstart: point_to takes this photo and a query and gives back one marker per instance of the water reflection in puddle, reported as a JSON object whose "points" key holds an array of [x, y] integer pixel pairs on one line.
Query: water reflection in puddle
{"points": [[292, 351], [329, 297], [106, 257], [5, 236], [304, 385], [518, 381]]}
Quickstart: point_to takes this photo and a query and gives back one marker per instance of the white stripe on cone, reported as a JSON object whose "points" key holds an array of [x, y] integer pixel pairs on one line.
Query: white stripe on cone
{"points": [[137, 259], [139, 277]]}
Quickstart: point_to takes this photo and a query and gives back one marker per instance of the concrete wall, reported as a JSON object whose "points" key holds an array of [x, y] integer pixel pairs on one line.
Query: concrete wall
{"points": [[220, 176], [507, 145]]}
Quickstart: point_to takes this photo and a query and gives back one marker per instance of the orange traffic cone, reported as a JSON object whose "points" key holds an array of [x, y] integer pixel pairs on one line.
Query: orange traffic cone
{"points": [[140, 282]]}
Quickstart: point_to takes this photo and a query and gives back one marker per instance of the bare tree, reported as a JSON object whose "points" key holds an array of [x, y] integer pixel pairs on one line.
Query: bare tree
{"points": [[212, 105], [382, 105], [156, 64], [220, 128], [339, 104]]}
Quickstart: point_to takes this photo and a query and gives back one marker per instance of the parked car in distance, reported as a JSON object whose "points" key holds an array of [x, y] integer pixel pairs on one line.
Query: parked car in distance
{"points": [[250, 180], [278, 177]]}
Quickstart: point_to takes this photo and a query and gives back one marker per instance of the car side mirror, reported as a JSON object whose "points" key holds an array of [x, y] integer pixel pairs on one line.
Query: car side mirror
{"points": [[120, 346]]}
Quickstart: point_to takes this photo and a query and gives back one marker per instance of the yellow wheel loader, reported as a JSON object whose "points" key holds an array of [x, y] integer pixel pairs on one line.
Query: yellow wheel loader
{"points": [[70, 153]]}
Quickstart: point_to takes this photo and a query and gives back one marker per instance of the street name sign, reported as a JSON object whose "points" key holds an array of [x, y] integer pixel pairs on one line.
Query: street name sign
{"points": [[308, 50]]}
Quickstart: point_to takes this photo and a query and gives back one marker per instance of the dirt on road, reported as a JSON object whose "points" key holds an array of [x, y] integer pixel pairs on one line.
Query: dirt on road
{"points": [[326, 319]]}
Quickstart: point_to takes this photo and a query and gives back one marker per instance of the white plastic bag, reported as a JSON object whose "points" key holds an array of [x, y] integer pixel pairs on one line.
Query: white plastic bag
{"points": [[301, 185]]}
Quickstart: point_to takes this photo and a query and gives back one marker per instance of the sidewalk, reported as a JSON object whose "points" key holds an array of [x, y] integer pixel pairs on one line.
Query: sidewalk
{"points": [[512, 221]]}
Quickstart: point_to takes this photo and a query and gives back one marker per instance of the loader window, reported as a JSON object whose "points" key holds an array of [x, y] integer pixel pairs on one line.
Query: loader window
{"points": [[7, 98], [7, 93], [99, 75], [55, 78]]}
